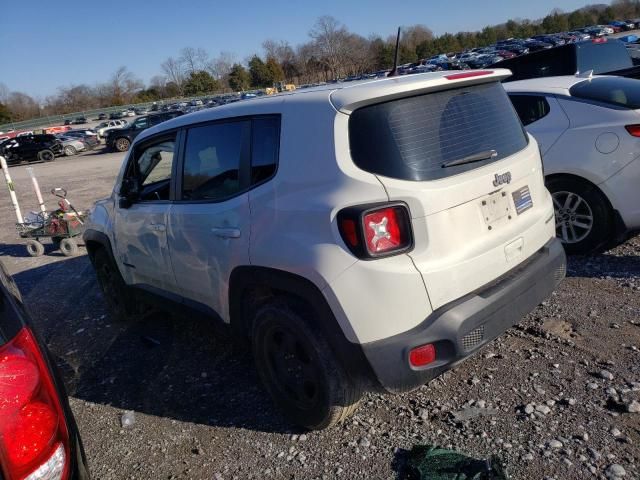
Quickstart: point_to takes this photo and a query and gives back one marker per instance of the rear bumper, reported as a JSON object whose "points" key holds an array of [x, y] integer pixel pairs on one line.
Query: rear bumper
{"points": [[462, 327]]}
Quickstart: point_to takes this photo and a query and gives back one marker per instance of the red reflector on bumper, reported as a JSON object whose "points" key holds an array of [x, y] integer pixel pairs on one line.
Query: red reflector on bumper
{"points": [[423, 355]]}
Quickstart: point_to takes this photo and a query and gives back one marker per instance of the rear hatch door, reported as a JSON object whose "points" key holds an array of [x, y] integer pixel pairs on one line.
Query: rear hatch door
{"points": [[470, 175]]}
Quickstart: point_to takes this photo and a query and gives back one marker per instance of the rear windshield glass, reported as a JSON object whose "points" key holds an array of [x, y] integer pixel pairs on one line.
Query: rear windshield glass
{"points": [[619, 91], [415, 138], [603, 57]]}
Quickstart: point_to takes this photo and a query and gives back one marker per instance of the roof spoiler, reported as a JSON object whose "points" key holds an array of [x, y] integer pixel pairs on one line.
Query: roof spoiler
{"points": [[587, 74]]}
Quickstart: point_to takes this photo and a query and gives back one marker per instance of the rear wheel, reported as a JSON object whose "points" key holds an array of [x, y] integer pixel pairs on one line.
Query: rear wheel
{"points": [[46, 155], [70, 150], [68, 247], [119, 297], [584, 219], [122, 144], [34, 248], [298, 368]]}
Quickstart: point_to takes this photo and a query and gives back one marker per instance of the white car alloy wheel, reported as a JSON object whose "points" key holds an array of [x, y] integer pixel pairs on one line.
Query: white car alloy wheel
{"points": [[574, 217]]}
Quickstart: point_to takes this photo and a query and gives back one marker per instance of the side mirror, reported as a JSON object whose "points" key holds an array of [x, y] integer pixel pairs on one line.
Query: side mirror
{"points": [[129, 192]]}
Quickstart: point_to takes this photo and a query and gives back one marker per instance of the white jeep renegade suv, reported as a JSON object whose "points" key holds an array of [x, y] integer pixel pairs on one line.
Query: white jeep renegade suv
{"points": [[362, 237]]}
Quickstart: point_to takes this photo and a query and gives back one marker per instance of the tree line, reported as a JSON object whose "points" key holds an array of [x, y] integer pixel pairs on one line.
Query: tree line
{"points": [[331, 52]]}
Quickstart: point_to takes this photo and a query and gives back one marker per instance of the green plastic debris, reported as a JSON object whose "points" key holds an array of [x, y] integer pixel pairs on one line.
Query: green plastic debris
{"points": [[429, 462]]}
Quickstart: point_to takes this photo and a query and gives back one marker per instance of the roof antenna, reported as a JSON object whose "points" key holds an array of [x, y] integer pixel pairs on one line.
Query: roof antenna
{"points": [[394, 70]]}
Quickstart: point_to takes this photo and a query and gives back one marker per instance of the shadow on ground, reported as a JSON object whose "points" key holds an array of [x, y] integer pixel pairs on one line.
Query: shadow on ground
{"points": [[181, 368], [604, 266], [19, 250]]}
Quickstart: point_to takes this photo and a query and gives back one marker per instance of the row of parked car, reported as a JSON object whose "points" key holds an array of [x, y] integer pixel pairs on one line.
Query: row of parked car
{"points": [[46, 147], [506, 49]]}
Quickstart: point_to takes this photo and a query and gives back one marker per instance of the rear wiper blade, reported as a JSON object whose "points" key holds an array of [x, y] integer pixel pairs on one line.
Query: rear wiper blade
{"points": [[476, 157]]}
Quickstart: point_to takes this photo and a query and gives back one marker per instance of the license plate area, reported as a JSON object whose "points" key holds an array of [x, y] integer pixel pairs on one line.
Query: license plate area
{"points": [[496, 209]]}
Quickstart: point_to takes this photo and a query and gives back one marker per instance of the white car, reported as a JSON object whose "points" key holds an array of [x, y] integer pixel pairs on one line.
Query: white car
{"points": [[588, 130], [71, 145], [346, 232], [104, 127]]}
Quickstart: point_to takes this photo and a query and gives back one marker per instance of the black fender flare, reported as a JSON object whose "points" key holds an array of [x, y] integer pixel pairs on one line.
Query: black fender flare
{"points": [[94, 239], [244, 279]]}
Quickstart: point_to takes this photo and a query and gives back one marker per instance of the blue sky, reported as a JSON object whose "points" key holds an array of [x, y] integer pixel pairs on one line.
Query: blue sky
{"points": [[44, 44]]}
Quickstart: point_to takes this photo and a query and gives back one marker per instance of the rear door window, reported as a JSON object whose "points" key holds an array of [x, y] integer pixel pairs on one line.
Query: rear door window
{"points": [[265, 142], [213, 161], [416, 138], [530, 108]]}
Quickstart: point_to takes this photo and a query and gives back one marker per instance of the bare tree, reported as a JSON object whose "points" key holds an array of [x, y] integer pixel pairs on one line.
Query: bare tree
{"points": [[414, 35], [158, 81], [193, 59], [330, 40], [123, 86], [282, 52], [22, 106], [220, 66], [72, 99], [359, 55], [173, 70]]}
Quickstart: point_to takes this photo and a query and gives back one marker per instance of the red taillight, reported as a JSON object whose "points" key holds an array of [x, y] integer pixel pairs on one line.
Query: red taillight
{"points": [[599, 40], [476, 73], [373, 231], [634, 130], [34, 441], [382, 231], [348, 228], [423, 355]]}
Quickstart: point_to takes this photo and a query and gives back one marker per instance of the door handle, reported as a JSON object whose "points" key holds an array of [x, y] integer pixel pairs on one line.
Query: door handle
{"points": [[158, 227], [226, 232]]}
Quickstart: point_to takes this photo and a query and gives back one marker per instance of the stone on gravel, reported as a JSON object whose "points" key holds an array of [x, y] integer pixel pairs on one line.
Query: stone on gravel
{"points": [[543, 409], [615, 471], [606, 374], [472, 412], [633, 407], [529, 409], [128, 419], [555, 444]]}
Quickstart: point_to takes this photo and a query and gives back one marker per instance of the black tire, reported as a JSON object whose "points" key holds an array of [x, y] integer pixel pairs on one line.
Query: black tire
{"points": [[120, 299], [34, 248], [584, 217], [122, 144], [46, 155], [70, 150], [69, 247], [298, 368]]}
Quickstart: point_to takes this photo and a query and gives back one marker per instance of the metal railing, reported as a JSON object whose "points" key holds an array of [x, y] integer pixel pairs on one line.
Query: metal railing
{"points": [[51, 120]]}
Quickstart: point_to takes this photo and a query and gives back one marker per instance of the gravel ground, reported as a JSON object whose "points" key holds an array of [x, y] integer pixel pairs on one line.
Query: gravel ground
{"points": [[555, 397]]}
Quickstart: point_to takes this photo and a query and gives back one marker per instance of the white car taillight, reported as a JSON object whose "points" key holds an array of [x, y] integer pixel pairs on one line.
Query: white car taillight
{"points": [[376, 231]]}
